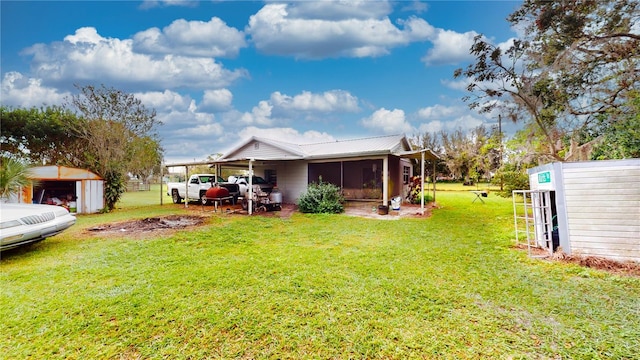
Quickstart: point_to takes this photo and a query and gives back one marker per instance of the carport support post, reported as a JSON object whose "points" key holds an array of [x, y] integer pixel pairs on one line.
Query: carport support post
{"points": [[250, 200], [422, 184], [385, 181], [161, 176], [186, 186], [434, 180]]}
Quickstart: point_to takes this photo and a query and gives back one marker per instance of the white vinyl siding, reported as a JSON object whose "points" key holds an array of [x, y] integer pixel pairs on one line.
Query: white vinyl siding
{"points": [[603, 209], [292, 180]]}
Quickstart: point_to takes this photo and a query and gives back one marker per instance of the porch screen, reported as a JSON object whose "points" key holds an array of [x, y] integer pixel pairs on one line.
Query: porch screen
{"points": [[330, 173]]}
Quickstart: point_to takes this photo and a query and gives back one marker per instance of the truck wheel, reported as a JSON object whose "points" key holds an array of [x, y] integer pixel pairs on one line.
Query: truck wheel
{"points": [[245, 203], [175, 197], [203, 198]]}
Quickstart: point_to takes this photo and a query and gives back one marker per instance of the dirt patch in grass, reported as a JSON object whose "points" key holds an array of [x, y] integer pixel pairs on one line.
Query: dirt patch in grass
{"points": [[621, 267], [153, 225], [618, 267]]}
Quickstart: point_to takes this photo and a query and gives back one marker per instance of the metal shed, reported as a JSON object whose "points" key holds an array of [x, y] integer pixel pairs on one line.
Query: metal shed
{"points": [[66, 186], [588, 208]]}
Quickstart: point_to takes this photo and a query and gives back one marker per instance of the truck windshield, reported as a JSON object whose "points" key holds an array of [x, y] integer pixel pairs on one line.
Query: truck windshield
{"points": [[205, 179], [258, 180]]}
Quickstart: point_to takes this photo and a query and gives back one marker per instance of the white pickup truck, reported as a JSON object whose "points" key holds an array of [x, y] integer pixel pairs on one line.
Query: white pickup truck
{"points": [[198, 186]]}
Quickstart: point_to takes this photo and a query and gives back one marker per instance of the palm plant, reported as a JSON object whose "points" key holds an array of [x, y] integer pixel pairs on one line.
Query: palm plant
{"points": [[13, 175]]}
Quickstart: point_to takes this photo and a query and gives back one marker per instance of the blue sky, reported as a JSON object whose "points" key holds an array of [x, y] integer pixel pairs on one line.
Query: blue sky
{"points": [[219, 72]]}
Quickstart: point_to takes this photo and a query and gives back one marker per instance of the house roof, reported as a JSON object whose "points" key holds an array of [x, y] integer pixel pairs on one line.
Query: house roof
{"points": [[268, 149]]}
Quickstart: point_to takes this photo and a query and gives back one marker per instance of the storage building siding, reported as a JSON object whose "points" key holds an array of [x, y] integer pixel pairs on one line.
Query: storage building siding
{"points": [[603, 210]]}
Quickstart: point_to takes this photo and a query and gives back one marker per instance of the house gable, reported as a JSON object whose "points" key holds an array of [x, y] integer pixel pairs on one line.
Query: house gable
{"points": [[258, 148]]}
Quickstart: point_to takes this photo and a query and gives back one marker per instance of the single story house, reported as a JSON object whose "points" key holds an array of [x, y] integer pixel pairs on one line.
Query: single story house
{"points": [[374, 168]]}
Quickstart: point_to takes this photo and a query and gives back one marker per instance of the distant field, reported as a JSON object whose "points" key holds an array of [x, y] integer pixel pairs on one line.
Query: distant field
{"points": [[141, 198], [445, 186]]}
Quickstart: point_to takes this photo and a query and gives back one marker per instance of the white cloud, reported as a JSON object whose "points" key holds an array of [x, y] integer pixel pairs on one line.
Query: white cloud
{"points": [[449, 47], [415, 6], [191, 38], [208, 131], [148, 4], [216, 100], [307, 106], [388, 122], [362, 30], [459, 84], [431, 127], [329, 101], [189, 135], [286, 135], [340, 10], [438, 112], [87, 56], [465, 122], [259, 115], [165, 101], [20, 91]]}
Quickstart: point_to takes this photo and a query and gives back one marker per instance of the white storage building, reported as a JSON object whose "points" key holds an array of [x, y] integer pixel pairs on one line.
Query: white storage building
{"points": [[594, 207]]}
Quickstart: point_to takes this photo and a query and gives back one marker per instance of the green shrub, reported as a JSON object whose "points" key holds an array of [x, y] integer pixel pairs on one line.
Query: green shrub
{"points": [[511, 180], [321, 198]]}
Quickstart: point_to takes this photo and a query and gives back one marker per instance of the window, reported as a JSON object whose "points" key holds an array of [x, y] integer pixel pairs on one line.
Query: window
{"points": [[271, 176], [405, 174]]}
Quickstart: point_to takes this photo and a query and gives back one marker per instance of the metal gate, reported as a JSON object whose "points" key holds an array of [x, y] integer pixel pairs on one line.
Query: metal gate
{"points": [[533, 219]]}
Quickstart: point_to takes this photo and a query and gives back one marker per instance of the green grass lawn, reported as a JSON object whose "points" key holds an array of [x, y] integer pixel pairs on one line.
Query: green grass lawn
{"points": [[311, 286]]}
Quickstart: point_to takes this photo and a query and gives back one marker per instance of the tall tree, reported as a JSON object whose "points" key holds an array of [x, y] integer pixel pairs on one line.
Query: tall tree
{"points": [[620, 139], [38, 135], [577, 62], [145, 152], [117, 132], [592, 48], [459, 153]]}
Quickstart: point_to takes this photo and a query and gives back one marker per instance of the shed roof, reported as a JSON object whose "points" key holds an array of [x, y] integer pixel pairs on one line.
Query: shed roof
{"points": [[54, 172]]}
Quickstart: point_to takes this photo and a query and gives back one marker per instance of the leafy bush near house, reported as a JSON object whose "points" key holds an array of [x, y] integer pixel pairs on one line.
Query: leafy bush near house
{"points": [[415, 191], [416, 199], [321, 198]]}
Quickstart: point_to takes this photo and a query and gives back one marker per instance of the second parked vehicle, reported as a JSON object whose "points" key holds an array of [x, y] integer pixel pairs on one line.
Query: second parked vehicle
{"points": [[22, 224]]}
